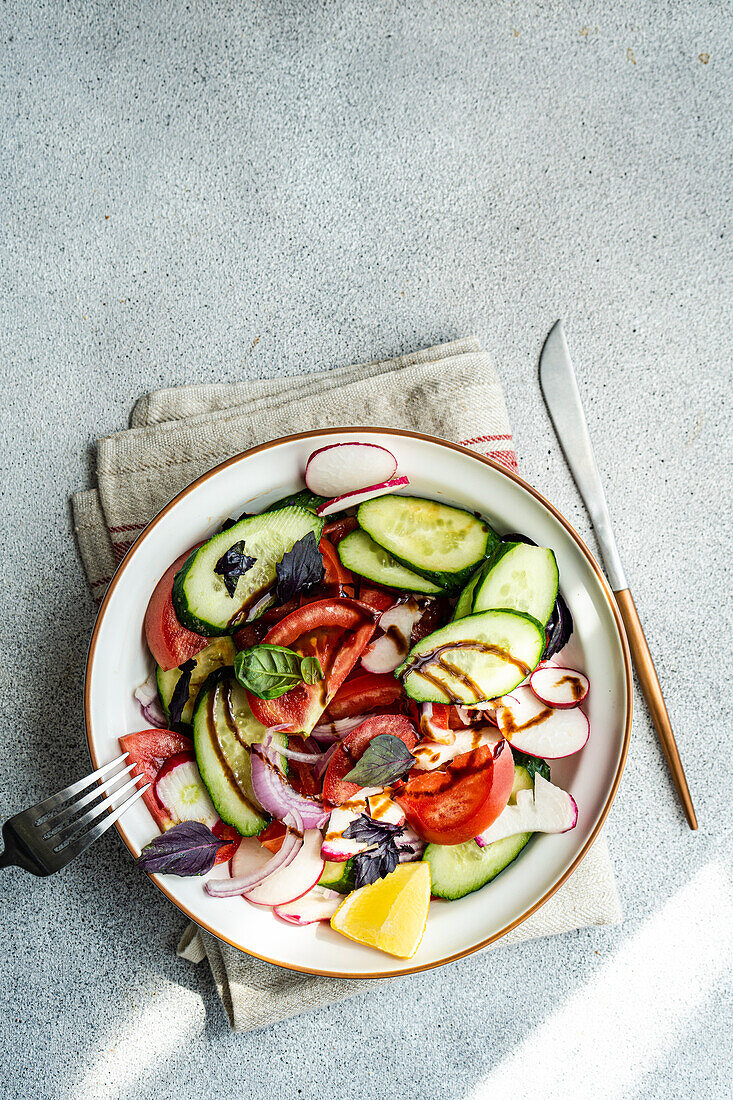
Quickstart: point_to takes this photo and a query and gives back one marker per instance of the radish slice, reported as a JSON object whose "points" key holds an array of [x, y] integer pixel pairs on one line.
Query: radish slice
{"points": [[180, 789], [253, 867], [345, 467], [319, 903], [350, 500], [559, 687], [372, 801], [430, 755], [547, 809], [531, 727], [293, 880], [390, 650], [434, 723]]}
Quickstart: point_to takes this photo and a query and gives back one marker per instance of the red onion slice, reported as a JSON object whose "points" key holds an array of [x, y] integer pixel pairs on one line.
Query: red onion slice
{"points": [[277, 796], [146, 695], [328, 732], [230, 887]]}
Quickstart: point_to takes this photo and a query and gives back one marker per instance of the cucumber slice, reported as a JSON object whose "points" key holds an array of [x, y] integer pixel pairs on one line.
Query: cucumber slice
{"points": [[303, 499], [220, 653], [362, 555], [521, 577], [338, 876], [478, 657], [465, 600], [459, 869], [200, 598], [223, 729], [441, 543]]}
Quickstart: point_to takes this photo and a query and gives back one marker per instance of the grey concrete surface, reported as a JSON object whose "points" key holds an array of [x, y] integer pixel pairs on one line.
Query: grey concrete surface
{"points": [[210, 191]]}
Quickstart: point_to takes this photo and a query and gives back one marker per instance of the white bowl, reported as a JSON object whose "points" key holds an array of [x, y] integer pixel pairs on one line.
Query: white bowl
{"points": [[118, 661]]}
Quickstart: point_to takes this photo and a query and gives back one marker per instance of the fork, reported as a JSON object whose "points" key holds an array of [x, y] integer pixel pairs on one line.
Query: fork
{"points": [[47, 836]]}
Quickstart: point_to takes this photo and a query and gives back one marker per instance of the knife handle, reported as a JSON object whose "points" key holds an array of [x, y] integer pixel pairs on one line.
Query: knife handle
{"points": [[649, 681]]}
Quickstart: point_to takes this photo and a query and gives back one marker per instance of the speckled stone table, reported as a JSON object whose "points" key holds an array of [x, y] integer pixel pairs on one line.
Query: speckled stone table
{"points": [[222, 191]]}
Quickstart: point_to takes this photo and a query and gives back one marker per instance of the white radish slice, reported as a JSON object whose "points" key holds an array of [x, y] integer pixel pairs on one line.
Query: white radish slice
{"points": [[290, 882], [184, 795], [373, 802], [546, 809], [430, 755], [392, 647], [434, 723], [319, 903], [358, 496], [558, 687], [344, 467], [531, 727]]}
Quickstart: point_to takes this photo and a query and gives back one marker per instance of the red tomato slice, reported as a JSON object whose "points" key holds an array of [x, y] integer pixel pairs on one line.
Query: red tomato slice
{"points": [[336, 632], [381, 599], [335, 788], [300, 774], [458, 802], [170, 643], [363, 693], [150, 749], [336, 577], [273, 836]]}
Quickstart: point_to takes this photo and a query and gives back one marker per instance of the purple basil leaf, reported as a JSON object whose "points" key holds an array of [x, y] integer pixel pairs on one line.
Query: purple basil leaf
{"points": [[299, 569], [385, 759], [233, 564], [179, 697], [375, 863], [558, 629], [369, 831], [186, 849]]}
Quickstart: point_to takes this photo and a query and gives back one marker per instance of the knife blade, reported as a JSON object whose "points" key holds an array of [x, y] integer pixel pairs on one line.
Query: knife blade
{"points": [[562, 398]]}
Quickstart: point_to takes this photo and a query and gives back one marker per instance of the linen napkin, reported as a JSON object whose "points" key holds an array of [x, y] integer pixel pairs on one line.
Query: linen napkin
{"points": [[176, 435]]}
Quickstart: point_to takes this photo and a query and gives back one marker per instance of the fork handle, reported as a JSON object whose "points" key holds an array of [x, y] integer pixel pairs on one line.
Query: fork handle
{"points": [[651, 687]]}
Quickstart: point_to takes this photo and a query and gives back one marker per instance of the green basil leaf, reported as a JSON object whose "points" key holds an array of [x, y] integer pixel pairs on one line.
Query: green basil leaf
{"points": [[268, 671], [310, 670], [385, 759]]}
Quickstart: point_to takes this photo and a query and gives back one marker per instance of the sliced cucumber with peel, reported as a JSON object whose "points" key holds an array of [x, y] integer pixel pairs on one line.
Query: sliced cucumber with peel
{"points": [[464, 606], [223, 729], [479, 657], [217, 655], [521, 577], [361, 554], [200, 597], [338, 876], [437, 541], [459, 869]]}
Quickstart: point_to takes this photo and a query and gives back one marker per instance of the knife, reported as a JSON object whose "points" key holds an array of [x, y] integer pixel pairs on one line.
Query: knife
{"points": [[562, 397]]}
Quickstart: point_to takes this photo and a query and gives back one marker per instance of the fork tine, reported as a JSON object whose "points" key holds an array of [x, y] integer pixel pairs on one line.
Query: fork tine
{"points": [[63, 814], [91, 815], [55, 800], [80, 844]]}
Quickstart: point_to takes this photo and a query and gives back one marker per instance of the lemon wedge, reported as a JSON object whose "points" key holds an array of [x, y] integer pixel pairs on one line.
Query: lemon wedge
{"points": [[389, 914]]}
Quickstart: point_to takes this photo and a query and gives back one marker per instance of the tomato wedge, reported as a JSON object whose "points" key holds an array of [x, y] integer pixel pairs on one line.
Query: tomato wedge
{"points": [[151, 750], [170, 643], [335, 631], [336, 576], [335, 788], [273, 836], [381, 599], [365, 692], [336, 529], [456, 803]]}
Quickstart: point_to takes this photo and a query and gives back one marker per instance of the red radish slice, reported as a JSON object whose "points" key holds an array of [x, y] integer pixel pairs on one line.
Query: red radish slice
{"points": [[533, 728], [252, 869], [558, 687], [180, 789], [345, 467], [547, 809], [319, 903], [293, 880], [392, 647], [350, 500]]}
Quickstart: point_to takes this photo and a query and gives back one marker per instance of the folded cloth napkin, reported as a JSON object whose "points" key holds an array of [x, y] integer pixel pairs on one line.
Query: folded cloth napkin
{"points": [[177, 434]]}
